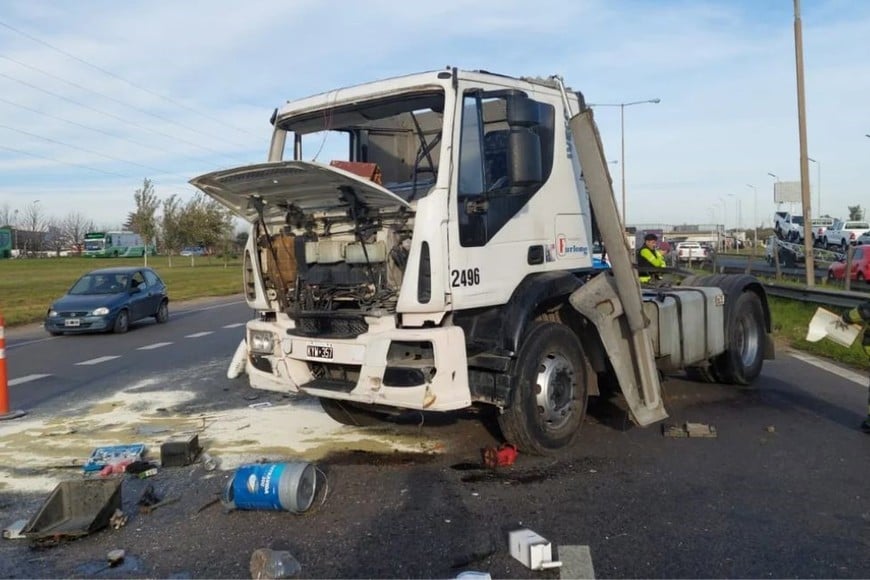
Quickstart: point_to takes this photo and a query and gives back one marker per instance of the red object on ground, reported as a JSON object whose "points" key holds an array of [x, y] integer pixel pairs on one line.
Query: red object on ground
{"points": [[505, 455]]}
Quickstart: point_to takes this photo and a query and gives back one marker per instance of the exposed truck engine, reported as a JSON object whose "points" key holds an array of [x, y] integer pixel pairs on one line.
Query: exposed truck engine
{"points": [[443, 259]]}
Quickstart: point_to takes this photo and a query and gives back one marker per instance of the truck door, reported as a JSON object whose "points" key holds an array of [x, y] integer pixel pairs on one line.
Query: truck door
{"points": [[515, 208]]}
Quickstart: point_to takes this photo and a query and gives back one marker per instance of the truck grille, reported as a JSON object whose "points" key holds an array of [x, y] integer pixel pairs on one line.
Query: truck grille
{"points": [[329, 325]]}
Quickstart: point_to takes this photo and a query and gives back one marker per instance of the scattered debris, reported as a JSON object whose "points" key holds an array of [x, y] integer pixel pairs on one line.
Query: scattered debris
{"points": [[115, 557], [152, 429], [139, 467], [207, 505], [289, 486], [180, 452], [260, 405], [76, 508], [209, 463], [13, 531], [533, 550], [770, 429], [266, 563], [148, 497], [689, 430], [113, 455], [147, 509], [473, 574], [118, 520], [245, 426], [505, 455]]}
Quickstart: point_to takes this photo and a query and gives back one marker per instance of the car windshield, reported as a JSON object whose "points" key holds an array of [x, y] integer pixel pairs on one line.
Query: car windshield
{"points": [[99, 284], [797, 220]]}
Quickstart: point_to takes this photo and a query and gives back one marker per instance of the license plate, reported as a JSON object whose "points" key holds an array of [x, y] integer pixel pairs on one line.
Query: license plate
{"points": [[72, 322], [319, 351]]}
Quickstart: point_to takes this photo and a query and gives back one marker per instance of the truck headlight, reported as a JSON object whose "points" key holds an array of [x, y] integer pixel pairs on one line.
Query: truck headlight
{"points": [[101, 311], [261, 342]]}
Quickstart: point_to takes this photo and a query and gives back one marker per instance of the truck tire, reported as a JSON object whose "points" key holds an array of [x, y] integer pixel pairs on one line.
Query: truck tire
{"points": [[348, 413], [741, 363], [548, 401]]}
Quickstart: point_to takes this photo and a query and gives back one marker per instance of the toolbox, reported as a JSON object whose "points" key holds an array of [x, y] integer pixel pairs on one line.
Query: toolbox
{"points": [[179, 452]]}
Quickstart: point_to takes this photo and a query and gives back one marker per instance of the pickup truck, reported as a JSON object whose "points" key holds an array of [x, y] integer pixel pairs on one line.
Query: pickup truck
{"points": [[843, 234], [819, 227], [691, 252], [788, 227]]}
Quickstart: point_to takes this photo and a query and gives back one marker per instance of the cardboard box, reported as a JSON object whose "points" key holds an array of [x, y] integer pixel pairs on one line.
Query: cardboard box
{"points": [[534, 551]]}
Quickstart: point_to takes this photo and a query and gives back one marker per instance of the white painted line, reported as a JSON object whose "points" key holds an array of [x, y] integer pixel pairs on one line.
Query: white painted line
{"points": [[198, 334], [236, 325], [96, 361], [153, 346], [832, 368], [576, 562], [26, 379]]}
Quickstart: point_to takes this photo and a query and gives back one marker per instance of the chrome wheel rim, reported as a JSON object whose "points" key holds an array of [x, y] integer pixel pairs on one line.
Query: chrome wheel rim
{"points": [[555, 385]]}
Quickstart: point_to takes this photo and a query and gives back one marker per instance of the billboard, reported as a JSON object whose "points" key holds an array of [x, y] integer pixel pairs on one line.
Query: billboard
{"points": [[787, 192]]}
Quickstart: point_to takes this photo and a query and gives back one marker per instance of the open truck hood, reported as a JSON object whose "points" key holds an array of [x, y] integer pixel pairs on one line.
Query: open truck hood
{"points": [[309, 186]]}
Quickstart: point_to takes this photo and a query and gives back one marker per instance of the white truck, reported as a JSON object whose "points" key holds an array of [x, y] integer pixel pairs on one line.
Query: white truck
{"points": [[844, 233], [446, 261]]}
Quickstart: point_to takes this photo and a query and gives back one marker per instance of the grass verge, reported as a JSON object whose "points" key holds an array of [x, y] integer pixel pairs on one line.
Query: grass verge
{"points": [[27, 287]]}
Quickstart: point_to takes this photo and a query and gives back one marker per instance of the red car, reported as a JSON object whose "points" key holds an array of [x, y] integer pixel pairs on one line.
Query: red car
{"points": [[860, 266]]}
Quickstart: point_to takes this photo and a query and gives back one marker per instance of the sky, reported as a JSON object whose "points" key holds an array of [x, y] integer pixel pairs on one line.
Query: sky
{"points": [[97, 96]]}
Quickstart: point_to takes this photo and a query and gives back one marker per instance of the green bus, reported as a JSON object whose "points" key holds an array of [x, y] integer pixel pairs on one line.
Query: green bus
{"points": [[5, 242], [114, 245]]}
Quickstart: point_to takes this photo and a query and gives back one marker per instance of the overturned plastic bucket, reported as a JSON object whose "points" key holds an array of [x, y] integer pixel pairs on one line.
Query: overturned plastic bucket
{"points": [[287, 486]]}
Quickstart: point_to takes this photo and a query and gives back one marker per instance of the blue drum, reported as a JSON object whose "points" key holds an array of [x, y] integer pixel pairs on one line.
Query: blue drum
{"points": [[272, 486]]}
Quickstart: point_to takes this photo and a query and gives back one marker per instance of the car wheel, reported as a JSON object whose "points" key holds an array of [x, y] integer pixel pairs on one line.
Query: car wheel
{"points": [[831, 275], [162, 312], [122, 323], [860, 277], [548, 395], [742, 362], [825, 242]]}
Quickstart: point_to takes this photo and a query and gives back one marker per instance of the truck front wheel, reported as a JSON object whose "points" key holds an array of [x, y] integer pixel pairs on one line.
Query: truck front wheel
{"points": [[741, 363], [549, 391]]}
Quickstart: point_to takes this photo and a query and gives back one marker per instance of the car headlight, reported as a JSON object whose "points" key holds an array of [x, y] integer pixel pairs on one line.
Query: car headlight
{"points": [[261, 342], [101, 311], [52, 313]]}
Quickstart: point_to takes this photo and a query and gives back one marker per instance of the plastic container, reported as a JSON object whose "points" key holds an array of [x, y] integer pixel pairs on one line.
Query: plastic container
{"points": [[272, 486], [266, 563]]}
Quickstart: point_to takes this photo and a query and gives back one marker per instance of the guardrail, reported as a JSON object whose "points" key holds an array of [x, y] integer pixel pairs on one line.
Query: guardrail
{"points": [[839, 298]]}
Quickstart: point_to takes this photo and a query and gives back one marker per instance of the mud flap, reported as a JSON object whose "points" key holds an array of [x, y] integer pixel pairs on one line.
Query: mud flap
{"points": [[239, 362], [599, 302]]}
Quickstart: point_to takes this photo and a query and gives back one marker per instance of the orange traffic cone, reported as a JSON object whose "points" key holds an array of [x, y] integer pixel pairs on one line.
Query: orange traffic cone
{"points": [[4, 383]]}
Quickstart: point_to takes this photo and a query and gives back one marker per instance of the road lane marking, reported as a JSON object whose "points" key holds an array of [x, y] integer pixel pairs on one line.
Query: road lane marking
{"points": [[96, 361], [198, 334], [832, 368], [26, 379], [236, 325], [153, 346], [576, 562]]}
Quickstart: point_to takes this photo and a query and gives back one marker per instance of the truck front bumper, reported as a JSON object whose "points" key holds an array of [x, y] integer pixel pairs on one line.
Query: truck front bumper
{"points": [[424, 369]]}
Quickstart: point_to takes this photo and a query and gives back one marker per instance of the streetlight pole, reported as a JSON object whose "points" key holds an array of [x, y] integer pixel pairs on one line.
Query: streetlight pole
{"points": [[622, 107], [806, 202], [754, 212], [818, 185]]}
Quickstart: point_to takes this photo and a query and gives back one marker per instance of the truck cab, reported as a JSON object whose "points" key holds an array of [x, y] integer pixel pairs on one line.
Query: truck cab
{"points": [[426, 244]]}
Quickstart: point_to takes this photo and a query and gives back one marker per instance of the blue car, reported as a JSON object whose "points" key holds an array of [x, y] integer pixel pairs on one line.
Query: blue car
{"points": [[109, 300]]}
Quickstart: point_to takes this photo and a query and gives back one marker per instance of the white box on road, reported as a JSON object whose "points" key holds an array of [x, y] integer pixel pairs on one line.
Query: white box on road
{"points": [[533, 550]]}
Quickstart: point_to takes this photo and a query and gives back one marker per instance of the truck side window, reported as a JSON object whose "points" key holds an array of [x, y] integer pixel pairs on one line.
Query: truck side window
{"points": [[505, 156]]}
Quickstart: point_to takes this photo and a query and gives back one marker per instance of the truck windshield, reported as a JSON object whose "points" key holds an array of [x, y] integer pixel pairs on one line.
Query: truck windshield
{"points": [[93, 245], [394, 141]]}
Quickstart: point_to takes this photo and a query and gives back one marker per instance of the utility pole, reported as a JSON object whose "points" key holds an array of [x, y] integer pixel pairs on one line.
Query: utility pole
{"points": [[802, 131]]}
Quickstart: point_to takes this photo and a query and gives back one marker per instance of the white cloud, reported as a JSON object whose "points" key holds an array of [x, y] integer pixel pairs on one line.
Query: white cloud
{"points": [[724, 71]]}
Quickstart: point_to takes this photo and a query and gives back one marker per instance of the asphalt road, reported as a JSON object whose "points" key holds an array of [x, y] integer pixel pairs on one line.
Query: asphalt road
{"points": [[783, 491]]}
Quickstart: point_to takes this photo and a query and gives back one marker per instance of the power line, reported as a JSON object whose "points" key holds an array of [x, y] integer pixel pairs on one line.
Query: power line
{"points": [[80, 166], [119, 101], [116, 117], [113, 75], [91, 151]]}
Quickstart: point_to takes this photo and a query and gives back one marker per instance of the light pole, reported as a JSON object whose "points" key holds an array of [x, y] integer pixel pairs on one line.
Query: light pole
{"points": [[622, 107], [754, 212], [818, 185]]}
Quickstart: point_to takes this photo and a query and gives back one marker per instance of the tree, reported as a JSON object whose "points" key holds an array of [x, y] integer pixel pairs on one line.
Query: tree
{"points": [[144, 220], [55, 238], [205, 223], [34, 223], [74, 227], [855, 212], [173, 234], [7, 215]]}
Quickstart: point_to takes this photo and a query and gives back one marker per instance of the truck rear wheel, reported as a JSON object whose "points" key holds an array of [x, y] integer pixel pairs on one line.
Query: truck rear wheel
{"points": [[741, 363], [348, 413], [549, 391]]}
